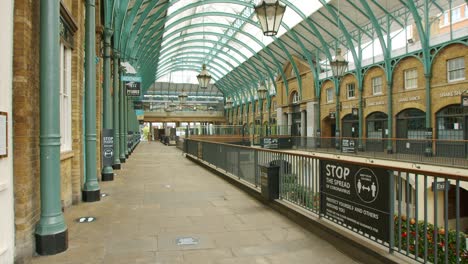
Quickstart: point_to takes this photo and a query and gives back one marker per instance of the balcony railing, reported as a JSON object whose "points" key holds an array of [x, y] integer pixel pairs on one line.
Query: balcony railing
{"points": [[414, 212]]}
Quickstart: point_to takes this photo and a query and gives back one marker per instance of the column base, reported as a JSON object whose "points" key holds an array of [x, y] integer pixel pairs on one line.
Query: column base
{"points": [[116, 166], [126, 156], [122, 160], [107, 176], [51, 244], [91, 196]]}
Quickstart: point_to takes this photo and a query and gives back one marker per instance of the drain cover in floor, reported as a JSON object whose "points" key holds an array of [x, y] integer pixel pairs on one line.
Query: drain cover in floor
{"points": [[186, 241]]}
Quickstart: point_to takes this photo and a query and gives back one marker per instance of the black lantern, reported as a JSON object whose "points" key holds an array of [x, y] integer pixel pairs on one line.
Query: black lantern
{"points": [[464, 99], [183, 97], [269, 14], [204, 77], [339, 64], [229, 103], [262, 92]]}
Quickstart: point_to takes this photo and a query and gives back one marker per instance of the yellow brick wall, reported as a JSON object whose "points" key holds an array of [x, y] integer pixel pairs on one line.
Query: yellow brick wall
{"points": [[27, 122], [348, 104], [26, 125]]}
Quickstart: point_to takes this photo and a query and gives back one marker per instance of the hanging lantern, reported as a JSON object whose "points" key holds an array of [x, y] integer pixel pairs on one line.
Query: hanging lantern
{"points": [[229, 103], [269, 14], [339, 64], [204, 77], [262, 92], [183, 97]]}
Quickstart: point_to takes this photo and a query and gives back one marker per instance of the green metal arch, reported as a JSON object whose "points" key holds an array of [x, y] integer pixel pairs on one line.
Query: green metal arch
{"points": [[279, 67], [178, 53]]}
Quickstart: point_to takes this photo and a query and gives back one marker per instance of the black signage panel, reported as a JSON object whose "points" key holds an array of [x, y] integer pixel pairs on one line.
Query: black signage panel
{"points": [[132, 88], [107, 147], [356, 197], [440, 186], [348, 145], [137, 105]]}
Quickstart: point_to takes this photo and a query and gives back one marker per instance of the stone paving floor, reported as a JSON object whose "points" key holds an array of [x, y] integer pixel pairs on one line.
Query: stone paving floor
{"points": [[159, 197]]}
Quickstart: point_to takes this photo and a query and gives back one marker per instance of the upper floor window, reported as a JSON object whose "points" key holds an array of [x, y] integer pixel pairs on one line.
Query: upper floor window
{"points": [[456, 14], [295, 98], [377, 85], [446, 19], [65, 98], [329, 95], [411, 78], [456, 69], [351, 90]]}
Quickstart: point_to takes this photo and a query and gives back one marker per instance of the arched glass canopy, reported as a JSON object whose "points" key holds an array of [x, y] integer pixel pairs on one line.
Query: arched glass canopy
{"points": [[160, 38]]}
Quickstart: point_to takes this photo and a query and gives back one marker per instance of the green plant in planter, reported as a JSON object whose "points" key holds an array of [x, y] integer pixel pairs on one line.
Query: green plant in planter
{"points": [[408, 234]]}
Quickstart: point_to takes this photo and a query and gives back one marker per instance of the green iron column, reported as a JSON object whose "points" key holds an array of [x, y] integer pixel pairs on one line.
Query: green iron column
{"points": [[107, 172], [122, 118], [125, 112], [127, 153], [361, 121], [91, 191], [390, 116], [51, 232], [428, 135], [337, 114], [116, 165]]}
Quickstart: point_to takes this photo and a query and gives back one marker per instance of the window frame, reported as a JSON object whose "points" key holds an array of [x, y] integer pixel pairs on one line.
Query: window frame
{"points": [[329, 95], [407, 80], [65, 98], [353, 90], [462, 69], [374, 85]]}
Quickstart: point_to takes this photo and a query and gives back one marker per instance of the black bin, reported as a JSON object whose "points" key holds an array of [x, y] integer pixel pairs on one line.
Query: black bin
{"points": [[269, 181]]}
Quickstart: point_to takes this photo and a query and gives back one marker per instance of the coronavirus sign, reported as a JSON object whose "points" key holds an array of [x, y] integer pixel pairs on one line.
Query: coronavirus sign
{"points": [[356, 197]]}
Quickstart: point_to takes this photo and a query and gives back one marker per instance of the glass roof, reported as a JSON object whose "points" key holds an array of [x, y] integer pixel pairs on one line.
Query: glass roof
{"points": [[204, 30], [169, 40]]}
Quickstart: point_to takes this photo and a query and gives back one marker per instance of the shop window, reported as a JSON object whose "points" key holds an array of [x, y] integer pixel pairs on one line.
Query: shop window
{"points": [[329, 95], [456, 69], [377, 85], [451, 122], [411, 78], [351, 90], [65, 98]]}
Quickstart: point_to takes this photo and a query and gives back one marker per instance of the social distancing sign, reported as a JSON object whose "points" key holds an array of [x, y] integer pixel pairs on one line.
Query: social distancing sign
{"points": [[356, 197]]}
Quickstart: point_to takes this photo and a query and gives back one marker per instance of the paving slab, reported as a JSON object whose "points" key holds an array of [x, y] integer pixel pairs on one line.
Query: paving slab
{"points": [[162, 208]]}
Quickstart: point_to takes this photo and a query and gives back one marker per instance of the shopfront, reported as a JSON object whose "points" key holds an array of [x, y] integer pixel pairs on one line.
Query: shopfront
{"points": [[451, 132], [411, 131], [376, 131], [350, 126]]}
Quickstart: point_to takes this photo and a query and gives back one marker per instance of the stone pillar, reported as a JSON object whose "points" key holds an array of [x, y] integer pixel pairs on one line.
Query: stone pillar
{"points": [[311, 118], [303, 124]]}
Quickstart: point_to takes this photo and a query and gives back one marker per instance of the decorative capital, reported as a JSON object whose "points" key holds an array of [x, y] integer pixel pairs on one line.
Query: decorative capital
{"points": [[116, 54], [108, 32]]}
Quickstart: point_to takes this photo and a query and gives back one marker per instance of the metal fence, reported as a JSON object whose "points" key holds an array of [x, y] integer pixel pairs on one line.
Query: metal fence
{"points": [[423, 217]]}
